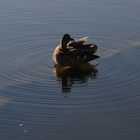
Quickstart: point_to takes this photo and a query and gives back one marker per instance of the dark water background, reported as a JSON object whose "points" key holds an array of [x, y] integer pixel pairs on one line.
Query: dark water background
{"points": [[38, 101]]}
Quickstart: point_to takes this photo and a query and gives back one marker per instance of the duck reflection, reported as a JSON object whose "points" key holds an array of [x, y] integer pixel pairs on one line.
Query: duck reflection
{"points": [[74, 75]]}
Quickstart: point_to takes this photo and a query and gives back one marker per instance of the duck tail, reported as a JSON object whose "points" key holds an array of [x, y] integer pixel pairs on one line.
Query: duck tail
{"points": [[91, 57]]}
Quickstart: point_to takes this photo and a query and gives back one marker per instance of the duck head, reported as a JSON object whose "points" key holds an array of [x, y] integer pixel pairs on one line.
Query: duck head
{"points": [[64, 41]]}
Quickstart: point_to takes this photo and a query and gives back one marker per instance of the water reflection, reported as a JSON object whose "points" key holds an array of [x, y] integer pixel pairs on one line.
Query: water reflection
{"points": [[74, 75]]}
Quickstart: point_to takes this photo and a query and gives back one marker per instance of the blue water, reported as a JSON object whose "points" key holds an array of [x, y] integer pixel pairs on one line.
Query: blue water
{"points": [[41, 102]]}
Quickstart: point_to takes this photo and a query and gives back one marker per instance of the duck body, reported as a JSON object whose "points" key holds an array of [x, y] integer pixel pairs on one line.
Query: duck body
{"points": [[74, 52]]}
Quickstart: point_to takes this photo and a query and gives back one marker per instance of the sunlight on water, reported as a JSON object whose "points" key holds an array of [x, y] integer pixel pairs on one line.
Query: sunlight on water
{"points": [[3, 101]]}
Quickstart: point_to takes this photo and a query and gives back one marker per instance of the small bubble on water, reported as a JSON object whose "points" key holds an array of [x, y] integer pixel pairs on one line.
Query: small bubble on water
{"points": [[20, 124], [25, 131]]}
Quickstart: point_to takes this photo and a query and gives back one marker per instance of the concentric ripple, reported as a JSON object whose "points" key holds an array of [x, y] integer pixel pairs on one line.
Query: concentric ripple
{"points": [[117, 68]]}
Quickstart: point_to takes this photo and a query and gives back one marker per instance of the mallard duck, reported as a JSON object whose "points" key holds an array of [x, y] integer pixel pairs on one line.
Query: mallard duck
{"points": [[74, 52]]}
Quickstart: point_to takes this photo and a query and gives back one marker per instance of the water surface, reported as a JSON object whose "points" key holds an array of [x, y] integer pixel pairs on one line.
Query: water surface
{"points": [[99, 101]]}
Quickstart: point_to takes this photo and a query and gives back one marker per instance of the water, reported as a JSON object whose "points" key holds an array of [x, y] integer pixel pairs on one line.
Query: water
{"points": [[99, 101]]}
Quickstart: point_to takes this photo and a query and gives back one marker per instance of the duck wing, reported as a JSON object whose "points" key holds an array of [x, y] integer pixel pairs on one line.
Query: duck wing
{"points": [[75, 56], [81, 40], [87, 48], [78, 42], [80, 45]]}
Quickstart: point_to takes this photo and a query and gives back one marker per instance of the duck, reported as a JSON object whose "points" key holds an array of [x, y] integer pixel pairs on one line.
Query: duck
{"points": [[74, 52]]}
